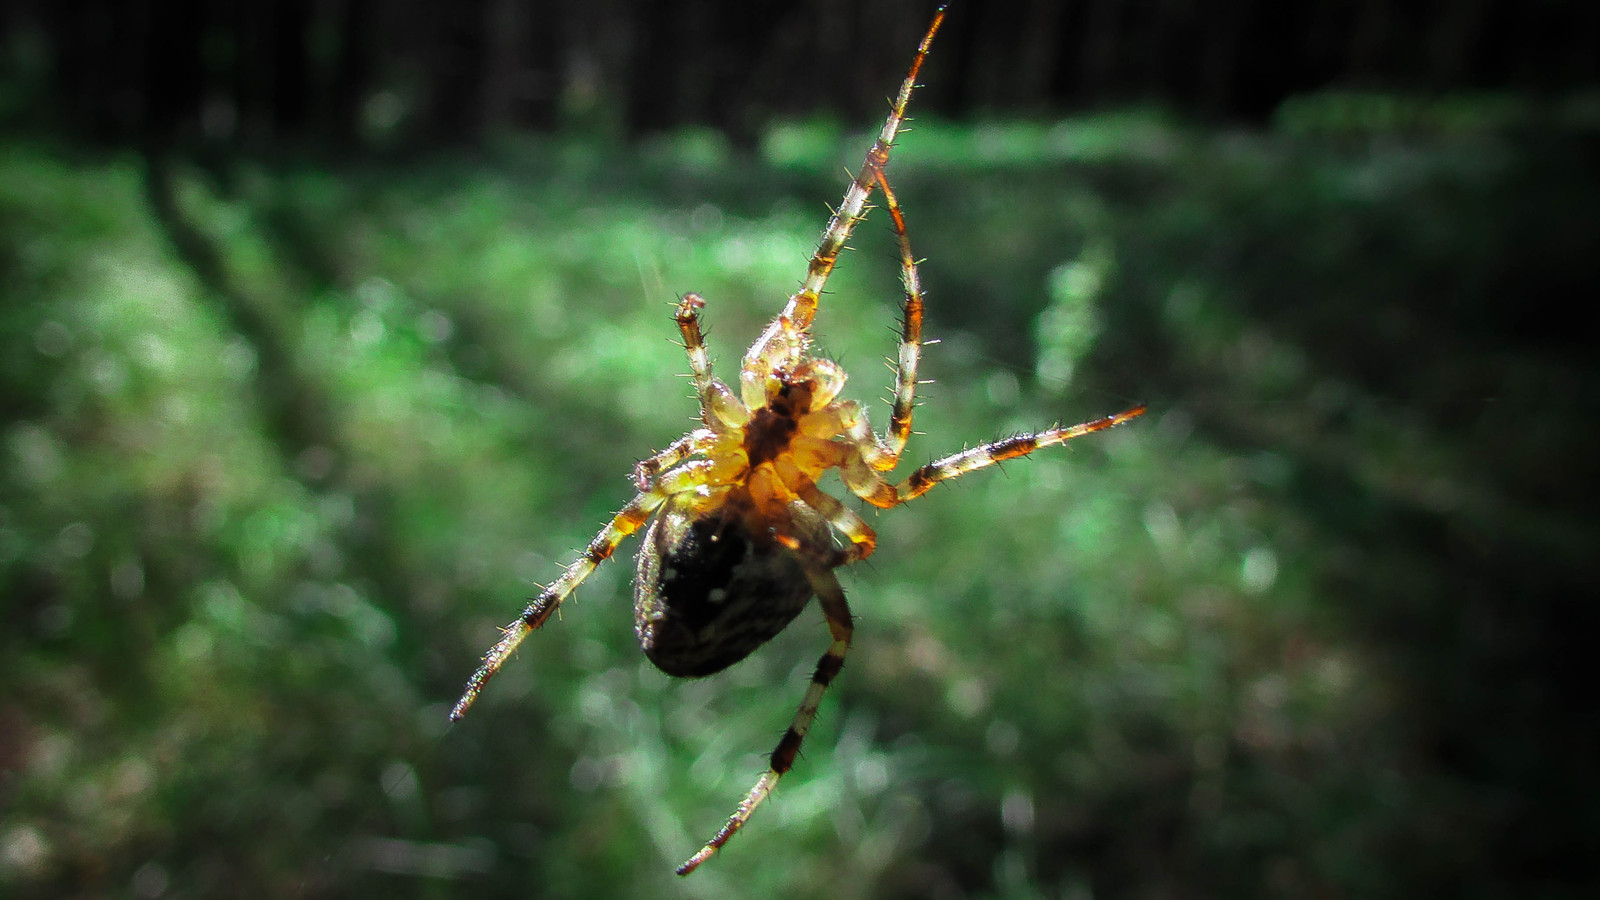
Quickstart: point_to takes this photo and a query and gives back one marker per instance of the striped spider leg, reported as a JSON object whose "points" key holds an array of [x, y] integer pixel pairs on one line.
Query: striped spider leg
{"points": [[627, 521]]}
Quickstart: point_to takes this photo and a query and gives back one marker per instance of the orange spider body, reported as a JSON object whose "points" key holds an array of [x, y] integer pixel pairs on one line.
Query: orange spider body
{"points": [[721, 570], [738, 537]]}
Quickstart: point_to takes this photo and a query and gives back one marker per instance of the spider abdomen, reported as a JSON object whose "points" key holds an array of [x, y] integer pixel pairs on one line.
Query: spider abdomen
{"points": [[708, 591]]}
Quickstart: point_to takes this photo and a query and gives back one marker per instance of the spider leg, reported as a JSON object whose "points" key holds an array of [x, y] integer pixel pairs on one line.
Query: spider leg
{"points": [[627, 521], [837, 612], [785, 338], [869, 486], [910, 332], [646, 470], [848, 418], [719, 409], [863, 540]]}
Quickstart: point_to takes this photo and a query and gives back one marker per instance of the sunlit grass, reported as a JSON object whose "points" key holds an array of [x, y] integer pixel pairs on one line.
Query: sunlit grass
{"points": [[242, 584]]}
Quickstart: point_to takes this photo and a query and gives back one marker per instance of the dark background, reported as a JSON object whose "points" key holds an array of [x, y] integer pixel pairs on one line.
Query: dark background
{"points": [[328, 330], [456, 73]]}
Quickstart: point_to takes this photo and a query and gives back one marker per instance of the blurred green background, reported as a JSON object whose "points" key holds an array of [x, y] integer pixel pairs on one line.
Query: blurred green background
{"points": [[287, 435]]}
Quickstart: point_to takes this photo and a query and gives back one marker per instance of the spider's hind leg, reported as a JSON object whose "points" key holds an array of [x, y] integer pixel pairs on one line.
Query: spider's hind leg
{"points": [[837, 612], [627, 521]]}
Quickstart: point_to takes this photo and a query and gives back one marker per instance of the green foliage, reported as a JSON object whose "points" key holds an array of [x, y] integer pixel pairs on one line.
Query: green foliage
{"points": [[284, 444]]}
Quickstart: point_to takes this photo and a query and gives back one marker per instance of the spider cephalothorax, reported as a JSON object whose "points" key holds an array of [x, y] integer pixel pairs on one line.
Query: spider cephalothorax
{"points": [[738, 537]]}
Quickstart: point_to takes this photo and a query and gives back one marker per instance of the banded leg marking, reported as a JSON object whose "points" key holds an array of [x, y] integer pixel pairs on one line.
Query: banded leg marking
{"points": [[628, 520], [837, 611], [905, 393], [783, 338], [870, 486]]}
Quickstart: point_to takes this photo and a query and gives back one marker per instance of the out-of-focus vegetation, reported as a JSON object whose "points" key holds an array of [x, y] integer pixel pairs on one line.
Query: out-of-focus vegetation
{"points": [[409, 73], [283, 444]]}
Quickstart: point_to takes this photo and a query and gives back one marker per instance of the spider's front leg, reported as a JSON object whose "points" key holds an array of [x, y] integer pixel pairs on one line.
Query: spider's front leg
{"points": [[905, 393], [848, 417], [785, 339], [837, 611]]}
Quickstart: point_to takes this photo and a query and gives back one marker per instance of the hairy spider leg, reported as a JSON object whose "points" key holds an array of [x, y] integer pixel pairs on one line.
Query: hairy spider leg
{"points": [[785, 339], [861, 478], [883, 454], [905, 393], [862, 539], [695, 442], [627, 521], [721, 412], [837, 612], [687, 316], [870, 486]]}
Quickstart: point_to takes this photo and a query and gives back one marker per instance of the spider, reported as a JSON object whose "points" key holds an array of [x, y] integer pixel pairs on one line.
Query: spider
{"points": [[737, 535]]}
